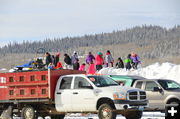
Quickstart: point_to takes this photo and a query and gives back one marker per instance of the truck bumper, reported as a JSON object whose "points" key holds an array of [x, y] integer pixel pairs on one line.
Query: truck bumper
{"points": [[126, 104]]}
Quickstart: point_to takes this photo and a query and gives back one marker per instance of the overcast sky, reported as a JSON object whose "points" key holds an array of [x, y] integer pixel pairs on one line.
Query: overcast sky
{"points": [[39, 19]]}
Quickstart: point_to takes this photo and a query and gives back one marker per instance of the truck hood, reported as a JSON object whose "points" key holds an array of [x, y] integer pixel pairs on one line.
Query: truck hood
{"points": [[174, 90], [119, 89]]}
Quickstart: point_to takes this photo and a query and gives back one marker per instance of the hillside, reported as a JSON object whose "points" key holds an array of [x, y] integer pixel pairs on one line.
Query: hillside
{"points": [[152, 43]]}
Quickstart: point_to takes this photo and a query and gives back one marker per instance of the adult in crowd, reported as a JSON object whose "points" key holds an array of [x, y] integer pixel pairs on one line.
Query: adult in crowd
{"points": [[135, 60], [109, 59], [76, 65], [67, 61], [48, 59], [99, 61], [56, 59], [74, 59], [90, 58]]}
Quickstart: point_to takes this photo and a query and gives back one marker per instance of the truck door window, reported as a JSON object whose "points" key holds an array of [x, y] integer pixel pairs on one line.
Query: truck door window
{"points": [[121, 83], [139, 84], [66, 83], [150, 85], [81, 83]]}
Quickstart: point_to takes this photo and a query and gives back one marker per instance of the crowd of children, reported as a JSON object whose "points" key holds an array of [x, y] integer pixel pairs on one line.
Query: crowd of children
{"points": [[92, 63]]}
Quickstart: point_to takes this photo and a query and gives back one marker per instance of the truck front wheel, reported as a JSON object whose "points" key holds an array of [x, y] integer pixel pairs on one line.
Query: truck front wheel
{"points": [[105, 111], [133, 115], [58, 116], [28, 112]]}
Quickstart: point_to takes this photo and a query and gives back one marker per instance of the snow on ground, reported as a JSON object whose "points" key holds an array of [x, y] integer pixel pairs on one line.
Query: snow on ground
{"points": [[146, 115], [3, 69], [154, 71]]}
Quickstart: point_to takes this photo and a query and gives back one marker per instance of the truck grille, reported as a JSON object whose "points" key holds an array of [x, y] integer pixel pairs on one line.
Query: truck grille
{"points": [[137, 95]]}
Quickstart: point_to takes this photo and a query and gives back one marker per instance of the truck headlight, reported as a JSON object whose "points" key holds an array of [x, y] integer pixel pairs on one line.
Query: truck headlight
{"points": [[119, 96]]}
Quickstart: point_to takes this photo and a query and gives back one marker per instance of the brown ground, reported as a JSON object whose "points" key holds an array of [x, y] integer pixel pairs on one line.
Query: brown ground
{"points": [[120, 50]]}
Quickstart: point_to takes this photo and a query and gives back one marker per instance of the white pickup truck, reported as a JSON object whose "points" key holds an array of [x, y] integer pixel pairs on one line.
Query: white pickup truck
{"points": [[98, 94]]}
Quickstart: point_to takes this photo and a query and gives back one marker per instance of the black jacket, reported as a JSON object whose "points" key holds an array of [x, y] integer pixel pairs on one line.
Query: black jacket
{"points": [[120, 64], [67, 60], [56, 60], [48, 59]]}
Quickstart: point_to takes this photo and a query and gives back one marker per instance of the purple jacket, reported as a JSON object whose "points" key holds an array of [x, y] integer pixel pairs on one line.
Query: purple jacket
{"points": [[135, 59], [90, 59], [74, 58]]}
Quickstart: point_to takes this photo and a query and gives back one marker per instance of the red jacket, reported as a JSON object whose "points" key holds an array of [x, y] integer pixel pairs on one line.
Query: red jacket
{"points": [[99, 60], [59, 65]]}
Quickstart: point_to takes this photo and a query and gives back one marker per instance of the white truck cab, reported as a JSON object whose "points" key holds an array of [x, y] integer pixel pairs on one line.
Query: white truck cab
{"points": [[98, 94]]}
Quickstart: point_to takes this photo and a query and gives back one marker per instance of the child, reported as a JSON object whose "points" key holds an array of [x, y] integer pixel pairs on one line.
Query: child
{"points": [[120, 63], [128, 62], [91, 69], [82, 67]]}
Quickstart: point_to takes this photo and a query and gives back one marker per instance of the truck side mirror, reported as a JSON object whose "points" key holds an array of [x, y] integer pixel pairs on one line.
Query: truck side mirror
{"points": [[156, 89]]}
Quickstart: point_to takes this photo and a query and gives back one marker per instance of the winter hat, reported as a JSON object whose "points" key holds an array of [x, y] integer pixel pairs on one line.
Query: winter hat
{"points": [[119, 58], [58, 54], [99, 53], [74, 52], [129, 56]]}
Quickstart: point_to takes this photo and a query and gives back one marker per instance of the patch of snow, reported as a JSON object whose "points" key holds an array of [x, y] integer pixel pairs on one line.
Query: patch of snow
{"points": [[155, 71], [146, 115], [3, 69]]}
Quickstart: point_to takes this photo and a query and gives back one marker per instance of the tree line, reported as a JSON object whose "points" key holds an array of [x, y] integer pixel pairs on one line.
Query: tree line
{"points": [[166, 41]]}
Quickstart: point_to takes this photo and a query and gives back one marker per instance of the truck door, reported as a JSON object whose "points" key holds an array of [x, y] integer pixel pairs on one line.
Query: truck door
{"points": [[83, 95], [63, 94], [155, 97]]}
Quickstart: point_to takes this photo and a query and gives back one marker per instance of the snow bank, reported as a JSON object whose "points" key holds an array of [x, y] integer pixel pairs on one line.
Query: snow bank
{"points": [[154, 71], [2, 69]]}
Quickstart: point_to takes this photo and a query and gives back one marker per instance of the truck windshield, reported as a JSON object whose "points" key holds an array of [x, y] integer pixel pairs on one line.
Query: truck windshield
{"points": [[169, 85], [102, 81]]}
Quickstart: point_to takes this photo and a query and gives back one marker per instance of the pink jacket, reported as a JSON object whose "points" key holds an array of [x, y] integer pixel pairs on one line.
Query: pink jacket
{"points": [[91, 69], [82, 68]]}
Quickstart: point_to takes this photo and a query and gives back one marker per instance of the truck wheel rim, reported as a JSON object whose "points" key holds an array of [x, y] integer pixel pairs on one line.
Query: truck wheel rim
{"points": [[29, 114], [106, 113]]}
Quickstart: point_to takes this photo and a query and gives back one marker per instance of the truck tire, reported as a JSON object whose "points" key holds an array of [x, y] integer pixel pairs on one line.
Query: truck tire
{"points": [[174, 102], [58, 116], [1, 110], [28, 112], [105, 111], [134, 115]]}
